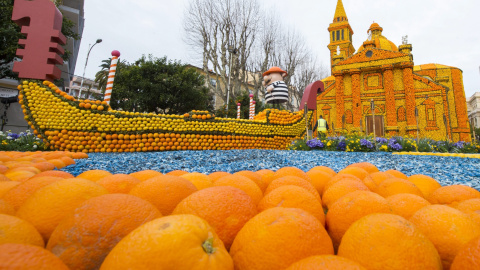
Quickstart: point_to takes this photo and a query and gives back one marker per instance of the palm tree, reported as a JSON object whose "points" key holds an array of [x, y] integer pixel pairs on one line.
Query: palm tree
{"points": [[102, 76]]}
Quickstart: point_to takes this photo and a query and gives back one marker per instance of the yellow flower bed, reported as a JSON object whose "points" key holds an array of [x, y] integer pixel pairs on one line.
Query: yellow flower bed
{"points": [[438, 154]]}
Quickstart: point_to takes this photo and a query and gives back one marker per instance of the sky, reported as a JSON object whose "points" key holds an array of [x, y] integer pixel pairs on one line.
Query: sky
{"points": [[440, 31]]}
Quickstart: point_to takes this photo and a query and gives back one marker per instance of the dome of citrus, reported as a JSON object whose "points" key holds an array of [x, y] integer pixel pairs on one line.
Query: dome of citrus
{"points": [[381, 42]]}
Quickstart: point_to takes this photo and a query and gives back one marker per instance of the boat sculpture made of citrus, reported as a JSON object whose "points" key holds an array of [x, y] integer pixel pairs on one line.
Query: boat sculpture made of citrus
{"points": [[66, 123]]}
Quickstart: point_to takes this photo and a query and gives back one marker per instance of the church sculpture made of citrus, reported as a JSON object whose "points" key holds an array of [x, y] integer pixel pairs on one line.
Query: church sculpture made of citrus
{"points": [[428, 99]]}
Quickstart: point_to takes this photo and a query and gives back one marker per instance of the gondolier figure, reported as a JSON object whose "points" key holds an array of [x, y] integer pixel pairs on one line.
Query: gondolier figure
{"points": [[276, 91], [322, 127]]}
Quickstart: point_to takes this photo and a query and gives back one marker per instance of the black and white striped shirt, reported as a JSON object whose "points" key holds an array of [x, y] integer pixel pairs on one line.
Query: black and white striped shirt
{"points": [[279, 94]]}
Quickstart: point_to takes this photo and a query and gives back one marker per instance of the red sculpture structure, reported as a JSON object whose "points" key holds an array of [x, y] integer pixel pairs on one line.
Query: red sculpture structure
{"points": [[41, 23]]}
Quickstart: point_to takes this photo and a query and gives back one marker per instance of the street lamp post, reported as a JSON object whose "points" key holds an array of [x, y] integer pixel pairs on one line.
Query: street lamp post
{"points": [[86, 61], [232, 51]]}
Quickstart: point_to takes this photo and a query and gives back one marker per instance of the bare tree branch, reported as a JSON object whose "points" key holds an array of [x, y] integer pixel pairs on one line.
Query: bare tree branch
{"points": [[214, 26]]}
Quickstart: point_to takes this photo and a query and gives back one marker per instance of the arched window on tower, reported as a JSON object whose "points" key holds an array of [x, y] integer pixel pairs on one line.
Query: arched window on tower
{"points": [[333, 35], [343, 36], [338, 34]]}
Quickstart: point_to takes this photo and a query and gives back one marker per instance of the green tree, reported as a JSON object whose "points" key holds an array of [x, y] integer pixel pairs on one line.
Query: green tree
{"points": [[10, 34], [101, 77], [161, 86]]}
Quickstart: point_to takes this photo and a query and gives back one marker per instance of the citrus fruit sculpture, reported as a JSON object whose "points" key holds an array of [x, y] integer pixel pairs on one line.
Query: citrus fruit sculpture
{"points": [[276, 221], [66, 123]]}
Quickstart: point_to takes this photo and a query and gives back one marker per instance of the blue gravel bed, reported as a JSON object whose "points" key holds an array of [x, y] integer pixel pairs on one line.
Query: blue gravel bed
{"points": [[446, 170]]}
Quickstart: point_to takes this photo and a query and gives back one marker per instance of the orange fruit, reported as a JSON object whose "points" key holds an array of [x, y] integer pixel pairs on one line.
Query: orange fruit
{"points": [[61, 174], [5, 186], [6, 208], [164, 191], [118, 183], [20, 193], [67, 160], [3, 169], [84, 238], [58, 163], [24, 256], [392, 186], [16, 230], [225, 208], [426, 184], [79, 155], [243, 183], [338, 178], [177, 173], [54, 155], [374, 179], [290, 171], [397, 174], [367, 166], [175, 242], [325, 169], [405, 204], [4, 178], [326, 262], [386, 241], [453, 194], [471, 208], [49, 205], [340, 189], [448, 229], [94, 175], [145, 174], [290, 196], [200, 180], [350, 208], [216, 175], [30, 169], [255, 177], [468, 206], [357, 171], [4, 157], [468, 257], [266, 175], [277, 237], [319, 179], [44, 166], [19, 175], [293, 180]]}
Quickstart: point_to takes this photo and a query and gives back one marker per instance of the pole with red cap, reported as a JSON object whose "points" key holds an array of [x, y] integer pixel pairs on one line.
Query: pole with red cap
{"points": [[252, 108], [111, 76], [238, 110]]}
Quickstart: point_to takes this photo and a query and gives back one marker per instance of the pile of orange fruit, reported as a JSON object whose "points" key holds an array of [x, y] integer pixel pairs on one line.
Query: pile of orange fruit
{"points": [[200, 115], [51, 112], [357, 218], [89, 142], [281, 117]]}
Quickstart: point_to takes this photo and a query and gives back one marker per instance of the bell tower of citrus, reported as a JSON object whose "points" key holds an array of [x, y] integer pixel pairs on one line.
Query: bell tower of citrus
{"points": [[340, 35]]}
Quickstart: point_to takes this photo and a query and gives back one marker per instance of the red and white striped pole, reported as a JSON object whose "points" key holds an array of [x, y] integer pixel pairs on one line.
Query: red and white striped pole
{"points": [[252, 108], [238, 110], [111, 76]]}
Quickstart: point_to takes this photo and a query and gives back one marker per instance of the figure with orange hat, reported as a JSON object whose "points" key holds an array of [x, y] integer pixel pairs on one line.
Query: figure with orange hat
{"points": [[276, 91]]}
